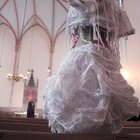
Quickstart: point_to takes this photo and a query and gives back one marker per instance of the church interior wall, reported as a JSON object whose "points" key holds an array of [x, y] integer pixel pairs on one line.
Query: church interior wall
{"points": [[35, 53]]}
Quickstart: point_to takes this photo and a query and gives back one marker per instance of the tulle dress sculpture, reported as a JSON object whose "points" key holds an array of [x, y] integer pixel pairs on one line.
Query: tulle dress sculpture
{"points": [[88, 94]]}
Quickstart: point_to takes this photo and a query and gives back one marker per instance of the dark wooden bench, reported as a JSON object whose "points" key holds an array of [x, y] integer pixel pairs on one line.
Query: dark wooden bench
{"points": [[17, 126], [24, 120], [136, 124]]}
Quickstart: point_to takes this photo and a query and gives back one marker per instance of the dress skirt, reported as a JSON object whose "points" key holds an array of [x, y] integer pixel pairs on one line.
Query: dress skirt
{"points": [[88, 94]]}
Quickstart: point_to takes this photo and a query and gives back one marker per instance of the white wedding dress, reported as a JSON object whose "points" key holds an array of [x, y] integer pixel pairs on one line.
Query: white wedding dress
{"points": [[88, 94]]}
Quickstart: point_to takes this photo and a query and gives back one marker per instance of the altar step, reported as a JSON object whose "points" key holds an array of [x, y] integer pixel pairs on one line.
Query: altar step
{"points": [[21, 135]]}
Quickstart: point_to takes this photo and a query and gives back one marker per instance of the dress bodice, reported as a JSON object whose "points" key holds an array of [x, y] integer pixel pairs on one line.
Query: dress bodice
{"points": [[97, 13]]}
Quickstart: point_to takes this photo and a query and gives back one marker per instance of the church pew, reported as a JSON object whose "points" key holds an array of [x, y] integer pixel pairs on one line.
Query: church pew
{"points": [[24, 127], [40, 120], [129, 124], [18, 118], [44, 128], [36, 125], [24, 120], [130, 129], [24, 124], [20, 135]]}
